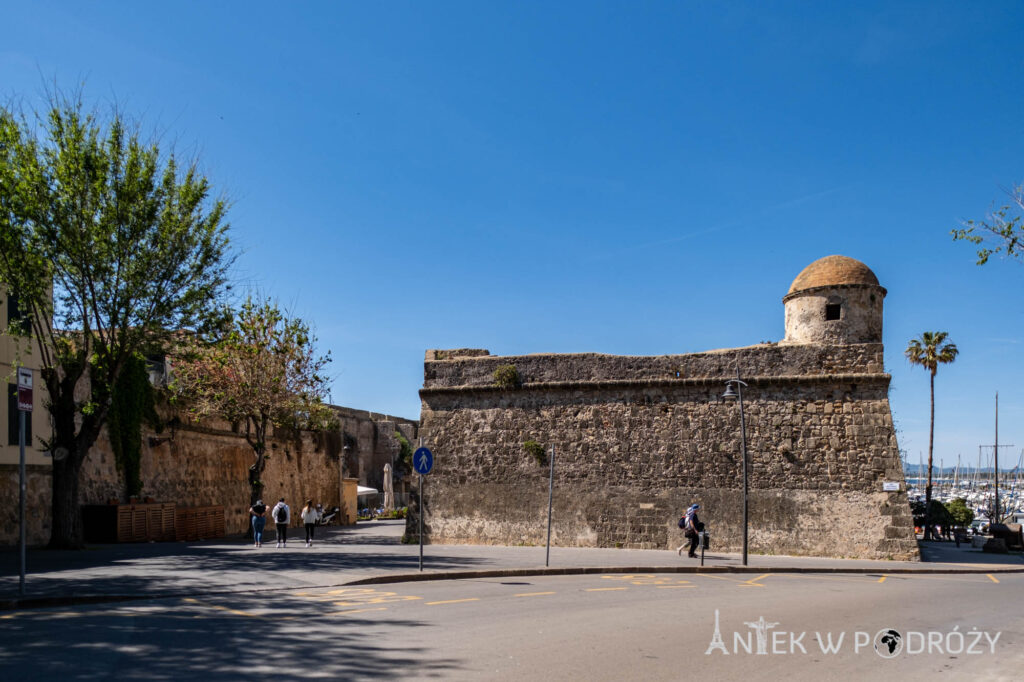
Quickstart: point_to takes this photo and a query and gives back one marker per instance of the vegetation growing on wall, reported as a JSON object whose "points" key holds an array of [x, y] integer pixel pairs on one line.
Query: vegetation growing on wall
{"points": [[506, 376], [537, 451], [131, 405], [404, 460]]}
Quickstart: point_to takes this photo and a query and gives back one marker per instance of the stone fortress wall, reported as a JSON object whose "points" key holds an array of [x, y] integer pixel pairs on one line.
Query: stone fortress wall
{"points": [[203, 464], [638, 439]]}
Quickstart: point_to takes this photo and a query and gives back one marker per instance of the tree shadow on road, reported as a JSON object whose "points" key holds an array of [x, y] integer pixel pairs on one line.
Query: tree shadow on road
{"points": [[167, 569], [274, 637]]}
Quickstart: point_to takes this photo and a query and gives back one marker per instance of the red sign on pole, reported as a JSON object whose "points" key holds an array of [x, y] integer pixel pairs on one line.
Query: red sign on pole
{"points": [[24, 389]]}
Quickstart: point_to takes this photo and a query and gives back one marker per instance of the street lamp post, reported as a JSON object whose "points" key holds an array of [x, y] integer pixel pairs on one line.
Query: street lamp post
{"points": [[734, 391], [342, 464]]}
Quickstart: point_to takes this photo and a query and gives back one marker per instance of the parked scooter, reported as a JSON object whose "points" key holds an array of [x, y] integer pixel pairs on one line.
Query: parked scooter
{"points": [[328, 516]]}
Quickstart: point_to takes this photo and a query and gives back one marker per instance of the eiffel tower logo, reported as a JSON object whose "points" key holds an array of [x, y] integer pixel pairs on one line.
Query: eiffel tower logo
{"points": [[716, 640]]}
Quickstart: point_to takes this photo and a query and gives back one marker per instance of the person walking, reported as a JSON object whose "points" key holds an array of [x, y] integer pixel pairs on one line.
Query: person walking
{"points": [[282, 517], [310, 515], [259, 521], [691, 525]]}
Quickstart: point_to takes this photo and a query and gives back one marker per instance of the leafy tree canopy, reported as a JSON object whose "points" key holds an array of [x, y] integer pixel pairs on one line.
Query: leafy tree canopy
{"points": [[1001, 232], [931, 349], [959, 512], [109, 245], [263, 372]]}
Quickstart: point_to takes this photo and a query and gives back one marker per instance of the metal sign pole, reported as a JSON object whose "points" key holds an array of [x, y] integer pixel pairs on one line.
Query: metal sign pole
{"points": [[421, 505], [21, 497], [24, 408], [421, 522], [551, 489]]}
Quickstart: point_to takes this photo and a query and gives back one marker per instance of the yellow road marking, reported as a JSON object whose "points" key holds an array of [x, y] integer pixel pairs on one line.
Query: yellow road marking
{"points": [[452, 601], [384, 598], [882, 579], [834, 578], [992, 577], [966, 578], [672, 587], [605, 589], [341, 613], [753, 581], [533, 594], [720, 577]]}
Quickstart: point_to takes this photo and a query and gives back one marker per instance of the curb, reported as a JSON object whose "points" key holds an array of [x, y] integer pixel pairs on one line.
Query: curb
{"points": [[521, 572], [14, 604]]}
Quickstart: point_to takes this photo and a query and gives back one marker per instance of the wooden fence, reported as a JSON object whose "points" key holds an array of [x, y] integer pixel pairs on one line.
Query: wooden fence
{"points": [[158, 522], [198, 523]]}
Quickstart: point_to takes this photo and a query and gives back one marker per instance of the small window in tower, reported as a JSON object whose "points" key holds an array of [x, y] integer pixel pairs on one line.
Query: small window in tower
{"points": [[832, 311]]}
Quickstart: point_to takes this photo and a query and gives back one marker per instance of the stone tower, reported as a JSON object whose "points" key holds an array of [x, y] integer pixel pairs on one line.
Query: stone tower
{"points": [[641, 438], [835, 300]]}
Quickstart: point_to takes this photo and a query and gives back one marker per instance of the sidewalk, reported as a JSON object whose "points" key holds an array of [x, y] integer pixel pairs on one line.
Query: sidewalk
{"points": [[372, 553]]}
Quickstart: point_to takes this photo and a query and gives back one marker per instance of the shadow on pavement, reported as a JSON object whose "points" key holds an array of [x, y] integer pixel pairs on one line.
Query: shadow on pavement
{"points": [[201, 640], [224, 564]]}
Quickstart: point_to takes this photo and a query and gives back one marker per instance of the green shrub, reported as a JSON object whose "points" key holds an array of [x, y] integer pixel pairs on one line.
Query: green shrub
{"points": [[506, 376], [537, 450]]}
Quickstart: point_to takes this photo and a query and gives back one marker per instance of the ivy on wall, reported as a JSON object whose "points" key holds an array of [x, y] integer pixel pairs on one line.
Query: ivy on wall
{"points": [[131, 405]]}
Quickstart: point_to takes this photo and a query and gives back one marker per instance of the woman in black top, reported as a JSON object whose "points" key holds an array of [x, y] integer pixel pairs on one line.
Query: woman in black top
{"points": [[259, 521]]}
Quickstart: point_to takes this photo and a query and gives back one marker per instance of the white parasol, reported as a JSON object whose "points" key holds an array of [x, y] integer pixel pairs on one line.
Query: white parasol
{"points": [[389, 488]]}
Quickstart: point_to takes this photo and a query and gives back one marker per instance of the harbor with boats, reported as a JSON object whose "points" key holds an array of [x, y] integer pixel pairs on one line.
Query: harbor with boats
{"points": [[980, 485]]}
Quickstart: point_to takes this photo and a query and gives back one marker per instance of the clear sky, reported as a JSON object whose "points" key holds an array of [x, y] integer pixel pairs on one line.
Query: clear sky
{"points": [[628, 178]]}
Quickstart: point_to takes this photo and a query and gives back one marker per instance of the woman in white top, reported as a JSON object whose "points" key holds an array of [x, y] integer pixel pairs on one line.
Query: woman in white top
{"points": [[310, 515]]}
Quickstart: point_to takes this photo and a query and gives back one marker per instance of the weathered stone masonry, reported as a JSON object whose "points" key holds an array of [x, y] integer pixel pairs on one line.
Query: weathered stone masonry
{"points": [[637, 439]]}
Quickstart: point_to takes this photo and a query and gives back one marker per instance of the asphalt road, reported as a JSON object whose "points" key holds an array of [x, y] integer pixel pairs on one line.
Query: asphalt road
{"points": [[597, 627]]}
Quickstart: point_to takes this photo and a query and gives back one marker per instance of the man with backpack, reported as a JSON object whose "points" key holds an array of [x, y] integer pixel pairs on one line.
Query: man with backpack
{"points": [[282, 517], [691, 526]]}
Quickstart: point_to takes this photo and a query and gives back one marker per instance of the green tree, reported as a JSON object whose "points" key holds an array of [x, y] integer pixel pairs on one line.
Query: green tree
{"points": [[108, 245], [1002, 231], [959, 512], [929, 351], [263, 373]]}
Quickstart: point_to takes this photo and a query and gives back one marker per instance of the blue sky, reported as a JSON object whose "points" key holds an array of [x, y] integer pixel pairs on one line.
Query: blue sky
{"points": [[628, 178]]}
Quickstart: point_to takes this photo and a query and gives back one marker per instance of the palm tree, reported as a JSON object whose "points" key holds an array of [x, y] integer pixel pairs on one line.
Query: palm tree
{"points": [[928, 351]]}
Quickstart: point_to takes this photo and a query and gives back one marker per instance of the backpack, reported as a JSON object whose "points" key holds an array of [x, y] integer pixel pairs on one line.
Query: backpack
{"points": [[282, 515], [682, 522], [260, 508]]}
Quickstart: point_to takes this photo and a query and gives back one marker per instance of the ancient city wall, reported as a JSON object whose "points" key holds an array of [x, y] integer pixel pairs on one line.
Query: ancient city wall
{"points": [[637, 439], [207, 464]]}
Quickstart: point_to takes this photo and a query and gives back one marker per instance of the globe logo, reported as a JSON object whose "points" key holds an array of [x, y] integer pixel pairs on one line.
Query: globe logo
{"points": [[888, 643]]}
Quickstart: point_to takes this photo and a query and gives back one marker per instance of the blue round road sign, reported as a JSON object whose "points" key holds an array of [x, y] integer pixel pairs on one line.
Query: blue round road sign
{"points": [[422, 461]]}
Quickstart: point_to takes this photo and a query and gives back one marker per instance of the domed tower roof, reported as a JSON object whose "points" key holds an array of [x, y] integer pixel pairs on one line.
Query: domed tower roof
{"points": [[832, 271], [834, 300]]}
